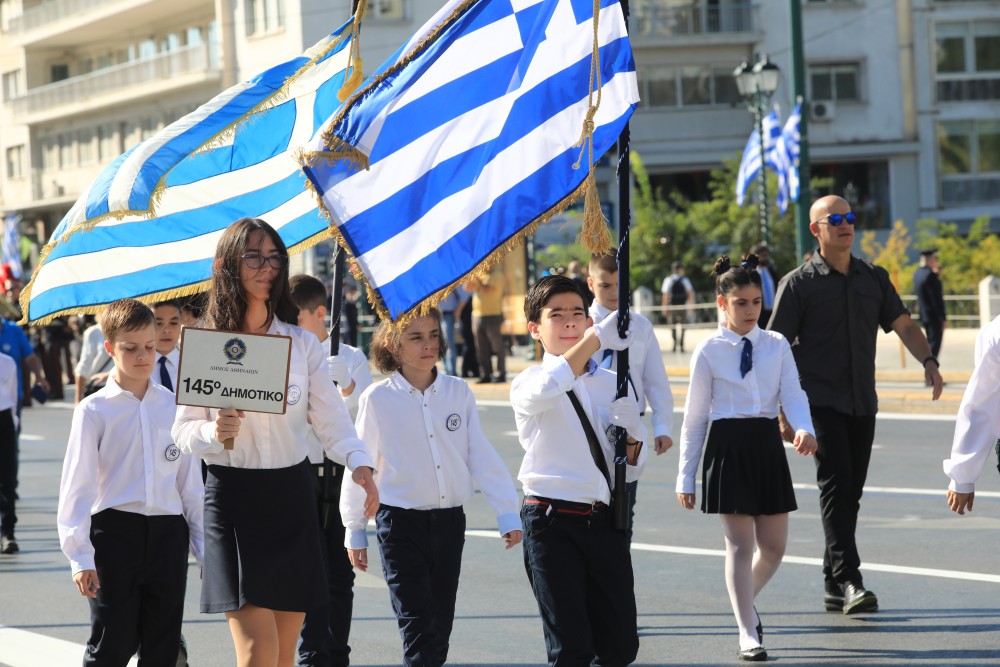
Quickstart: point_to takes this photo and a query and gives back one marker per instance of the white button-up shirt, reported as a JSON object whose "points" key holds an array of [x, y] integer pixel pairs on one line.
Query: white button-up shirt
{"points": [[718, 391], [557, 460], [646, 370], [172, 363], [978, 424], [280, 441], [94, 358], [362, 376], [428, 448], [121, 456], [8, 385]]}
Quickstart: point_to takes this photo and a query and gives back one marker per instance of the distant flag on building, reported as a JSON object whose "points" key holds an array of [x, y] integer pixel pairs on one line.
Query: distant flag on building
{"points": [[470, 134], [147, 227], [750, 164], [786, 156]]}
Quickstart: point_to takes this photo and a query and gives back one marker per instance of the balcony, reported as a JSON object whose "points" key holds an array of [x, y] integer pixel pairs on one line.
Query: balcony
{"points": [[191, 65], [49, 11], [658, 20]]}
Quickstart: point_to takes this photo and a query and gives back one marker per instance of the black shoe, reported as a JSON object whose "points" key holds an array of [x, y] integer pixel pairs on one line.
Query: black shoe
{"points": [[755, 654], [500, 378], [759, 628], [8, 545], [486, 379], [833, 598], [857, 600]]}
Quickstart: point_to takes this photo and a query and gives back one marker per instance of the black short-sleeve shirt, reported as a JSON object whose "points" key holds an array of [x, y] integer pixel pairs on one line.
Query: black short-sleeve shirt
{"points": [[832, 321]]}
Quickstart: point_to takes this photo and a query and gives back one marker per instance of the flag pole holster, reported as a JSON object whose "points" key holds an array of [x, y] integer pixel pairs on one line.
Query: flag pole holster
{"points": [[619, 493]]}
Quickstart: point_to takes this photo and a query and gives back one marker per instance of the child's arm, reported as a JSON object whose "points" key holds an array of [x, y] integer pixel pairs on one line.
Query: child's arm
{"points": [[195, 432], [192, 492], [795, 404], [353, 509], [656, 386], [77, 493], [697, 410]]}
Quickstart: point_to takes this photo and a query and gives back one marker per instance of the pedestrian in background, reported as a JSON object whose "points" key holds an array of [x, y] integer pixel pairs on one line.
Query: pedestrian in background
{"points": [[451, 311], [768, 282], [487, 320], [677, 297], [930, 298]]}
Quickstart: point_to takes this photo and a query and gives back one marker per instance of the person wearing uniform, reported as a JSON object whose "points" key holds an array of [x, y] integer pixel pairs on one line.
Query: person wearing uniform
{"points": [[740, 378], [263, 563], [130, 503], [577, 562], [326, 629], [423, 430], [677, 296], [930, 298], [168, 332], [8, 453]]}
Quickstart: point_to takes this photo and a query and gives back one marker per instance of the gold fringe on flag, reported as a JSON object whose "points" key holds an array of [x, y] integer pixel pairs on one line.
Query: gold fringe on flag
{"points": [[355, 78]]}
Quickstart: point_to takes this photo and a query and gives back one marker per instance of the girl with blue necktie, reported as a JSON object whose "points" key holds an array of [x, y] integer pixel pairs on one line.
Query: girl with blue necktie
{"points": [[740, 379]]}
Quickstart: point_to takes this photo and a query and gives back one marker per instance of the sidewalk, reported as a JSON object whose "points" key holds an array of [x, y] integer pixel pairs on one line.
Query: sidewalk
{"points": [[899, 377]]}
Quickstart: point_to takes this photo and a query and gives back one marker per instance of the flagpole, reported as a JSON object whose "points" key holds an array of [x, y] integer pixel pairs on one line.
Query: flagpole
{"points": [[624, 172]]}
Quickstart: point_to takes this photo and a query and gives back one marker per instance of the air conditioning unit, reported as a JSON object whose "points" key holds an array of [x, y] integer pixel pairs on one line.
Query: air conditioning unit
{"points": [[822, 112]]}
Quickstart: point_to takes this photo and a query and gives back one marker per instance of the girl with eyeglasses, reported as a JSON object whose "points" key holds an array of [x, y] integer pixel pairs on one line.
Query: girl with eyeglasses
{"points": [[740, 379], [262, 555]]}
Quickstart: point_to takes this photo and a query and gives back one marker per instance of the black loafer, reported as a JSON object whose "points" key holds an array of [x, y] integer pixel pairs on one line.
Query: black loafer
{"points": [[760, 627], [833, 598], [858, 600], [755, 654]]}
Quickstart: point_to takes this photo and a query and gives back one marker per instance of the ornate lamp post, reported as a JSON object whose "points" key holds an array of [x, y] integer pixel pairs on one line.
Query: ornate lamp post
{"points": [[756, 84]]}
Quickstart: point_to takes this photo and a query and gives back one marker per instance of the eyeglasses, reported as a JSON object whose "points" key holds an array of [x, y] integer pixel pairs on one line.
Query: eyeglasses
{"points": [[255, 261], [836, 219]]}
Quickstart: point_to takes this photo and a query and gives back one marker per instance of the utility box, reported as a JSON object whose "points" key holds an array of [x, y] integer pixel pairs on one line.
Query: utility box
{"points": [[989, 300]]}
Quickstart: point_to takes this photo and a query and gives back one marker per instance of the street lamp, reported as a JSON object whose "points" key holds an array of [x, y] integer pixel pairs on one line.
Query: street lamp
{"points": [[756, 84]]}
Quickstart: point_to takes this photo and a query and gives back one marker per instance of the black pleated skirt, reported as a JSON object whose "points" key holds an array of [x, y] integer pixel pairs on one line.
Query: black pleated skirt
{"points": [[745, 470], [261, 539]]}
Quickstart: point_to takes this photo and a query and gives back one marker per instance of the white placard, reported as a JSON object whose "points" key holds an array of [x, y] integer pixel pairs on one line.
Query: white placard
{"points": [[222, 369]]}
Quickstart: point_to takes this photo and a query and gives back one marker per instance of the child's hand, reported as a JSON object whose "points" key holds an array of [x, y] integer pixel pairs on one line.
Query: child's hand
{"points": [[959, 502], [787, 432], [607, 333], [805, 444], [686, 500], [624, 412], [227, 423], [87, 583], [662, 443], [512, 539], [363, 477], [339, 371], [358, 558]]}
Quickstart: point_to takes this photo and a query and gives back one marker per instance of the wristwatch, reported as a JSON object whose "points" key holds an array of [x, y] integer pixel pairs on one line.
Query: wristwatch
{"points": [[931, 358]]}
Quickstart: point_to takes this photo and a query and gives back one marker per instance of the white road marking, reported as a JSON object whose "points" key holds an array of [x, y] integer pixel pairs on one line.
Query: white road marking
{"points": [[904, 491], [30, 437], [20, 648]]}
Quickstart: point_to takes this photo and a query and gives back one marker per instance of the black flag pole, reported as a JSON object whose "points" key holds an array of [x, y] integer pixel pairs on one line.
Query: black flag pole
{"points": [[330, 470], [624, 172]]}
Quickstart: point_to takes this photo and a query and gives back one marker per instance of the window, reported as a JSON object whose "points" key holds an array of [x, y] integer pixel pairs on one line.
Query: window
{"points": [[66, 157], [692, 86], [106, 143], [968, 61], [85, 139], [264, 16], [59, 72], [836, 82], [50, 153], [969, 160], [387, 10], [15, 162], [11, 84]]}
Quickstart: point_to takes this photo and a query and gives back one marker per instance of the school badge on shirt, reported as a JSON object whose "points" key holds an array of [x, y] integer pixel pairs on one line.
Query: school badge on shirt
{"points": [[172, 453], [609, 433], [294, 394], [453, 422]]}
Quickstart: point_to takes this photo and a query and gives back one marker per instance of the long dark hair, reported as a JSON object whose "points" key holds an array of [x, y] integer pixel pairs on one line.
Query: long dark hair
{"points": [[729, 277], [227, 301]]}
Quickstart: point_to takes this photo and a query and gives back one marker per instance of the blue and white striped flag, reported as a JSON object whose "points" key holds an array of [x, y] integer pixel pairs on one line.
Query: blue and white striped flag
{"points": [[12, 246], [147, 227], [750, 163], [470, 138], [786, 153]]}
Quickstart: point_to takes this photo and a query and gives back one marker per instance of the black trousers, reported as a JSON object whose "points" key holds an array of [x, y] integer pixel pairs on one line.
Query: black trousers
{"points": [[580, 571], [842, 456], [326, 630], [935, 334], [142, 566], [8, 473], [421, 559]]}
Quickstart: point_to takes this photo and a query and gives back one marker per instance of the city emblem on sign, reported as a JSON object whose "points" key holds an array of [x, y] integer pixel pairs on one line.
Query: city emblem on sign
{"points": [[235, 350]]}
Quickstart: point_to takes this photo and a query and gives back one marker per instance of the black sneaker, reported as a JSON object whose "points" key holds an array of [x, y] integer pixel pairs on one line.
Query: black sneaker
{"points": [[486, 379], [858, 600], [833, 598], [8, 545]]}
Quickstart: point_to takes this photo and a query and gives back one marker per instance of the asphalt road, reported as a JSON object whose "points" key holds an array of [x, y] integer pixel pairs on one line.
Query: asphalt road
{"points": [[937, 575]]}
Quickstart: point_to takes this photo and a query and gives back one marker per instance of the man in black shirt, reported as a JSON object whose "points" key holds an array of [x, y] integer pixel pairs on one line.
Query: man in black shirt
{"points": [[830, 309], [930, 298]]}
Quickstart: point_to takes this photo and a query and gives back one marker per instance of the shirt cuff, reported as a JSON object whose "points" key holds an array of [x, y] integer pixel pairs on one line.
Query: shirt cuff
{"points": [[961, 488], [212, 446], [685, 484], [563, 374], [83, 564], [508, 522], [661, 430], [358, 459], [357, 539], [802, 430]]}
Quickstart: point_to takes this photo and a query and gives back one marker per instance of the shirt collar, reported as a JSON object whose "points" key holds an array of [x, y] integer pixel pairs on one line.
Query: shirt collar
{"points": [[599, 312], [402, 384], [734, 338], [112, 388], [173, 356]]}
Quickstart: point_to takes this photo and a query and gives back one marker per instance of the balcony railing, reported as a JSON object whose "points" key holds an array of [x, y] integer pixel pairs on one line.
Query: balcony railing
{"points": [[73, 91], [658, 19], [50, 11]]}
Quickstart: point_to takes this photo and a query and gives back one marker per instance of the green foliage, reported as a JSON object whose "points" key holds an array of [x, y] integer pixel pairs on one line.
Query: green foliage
{"points": [[892, 255], [965, 261], [559, 255]]}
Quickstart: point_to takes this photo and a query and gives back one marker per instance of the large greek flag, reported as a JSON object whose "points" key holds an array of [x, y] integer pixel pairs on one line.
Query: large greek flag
{"points": [[147, 227], [469, 136], [786, 156], [750, 164]]}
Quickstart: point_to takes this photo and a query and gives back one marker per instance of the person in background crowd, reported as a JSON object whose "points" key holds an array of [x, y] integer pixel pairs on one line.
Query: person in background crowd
{"points": [[451, 310], [487, 320], [930, 298], [768, 282], [677, 296]]}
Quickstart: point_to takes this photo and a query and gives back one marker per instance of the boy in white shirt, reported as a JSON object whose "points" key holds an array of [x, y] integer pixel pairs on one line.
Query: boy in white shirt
{"points": [[130, 503], [578, 563], [8, 453], [167, 317]]}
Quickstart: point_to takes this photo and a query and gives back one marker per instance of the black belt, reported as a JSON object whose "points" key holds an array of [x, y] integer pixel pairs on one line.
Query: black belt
{"points": [[567, 506]]}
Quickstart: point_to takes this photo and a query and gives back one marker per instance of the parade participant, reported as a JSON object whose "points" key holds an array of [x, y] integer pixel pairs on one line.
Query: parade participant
{"points": [[677, 296], [130, 503], [262, 557], [830, 309], [8, 453], [578, 564], [423, 430], [647, 374], [976, 429], [327, 628], [168, 332], [740, 378], [930, 298], [94, 366]]}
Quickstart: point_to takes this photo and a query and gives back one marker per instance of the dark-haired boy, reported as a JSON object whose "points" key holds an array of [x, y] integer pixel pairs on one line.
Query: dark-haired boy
{"points": [[577, 562], [130, 502], [167, 317]]}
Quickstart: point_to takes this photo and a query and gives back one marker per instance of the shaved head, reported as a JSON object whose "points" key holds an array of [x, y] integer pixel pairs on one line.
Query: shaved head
{"points": [[824, 206]]}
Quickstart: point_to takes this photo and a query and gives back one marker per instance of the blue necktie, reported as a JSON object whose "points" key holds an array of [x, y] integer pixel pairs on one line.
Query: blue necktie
{"points": [[606, 360], [165, 375], [746, 357]]}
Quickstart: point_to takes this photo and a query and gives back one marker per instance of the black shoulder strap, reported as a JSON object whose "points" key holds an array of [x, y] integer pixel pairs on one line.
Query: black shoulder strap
{"points": [[588, 428]]}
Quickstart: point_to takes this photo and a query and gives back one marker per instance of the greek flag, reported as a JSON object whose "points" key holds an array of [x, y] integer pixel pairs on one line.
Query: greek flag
{"points": [[750, 164], [147, 227], [470, 137], [786, 156], [12, 246]]}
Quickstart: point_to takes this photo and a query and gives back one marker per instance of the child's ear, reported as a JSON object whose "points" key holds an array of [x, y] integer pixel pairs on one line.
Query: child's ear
{"points": [[590, 321], [109, 348], [721, 300], [321, 312], [533, 330]]}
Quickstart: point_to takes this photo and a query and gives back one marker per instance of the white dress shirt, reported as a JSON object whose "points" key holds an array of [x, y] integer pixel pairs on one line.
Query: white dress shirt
{"points": [[357, 362], [428, 449], [94, 358], [121, 456], [977, 426], [8, 385], [173, 365], [718, 391], [645, 366], [557, 460], [280, 441]]}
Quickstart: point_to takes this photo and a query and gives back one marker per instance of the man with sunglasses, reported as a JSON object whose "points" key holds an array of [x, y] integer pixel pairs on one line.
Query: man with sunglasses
{"points": [[829, 309]]}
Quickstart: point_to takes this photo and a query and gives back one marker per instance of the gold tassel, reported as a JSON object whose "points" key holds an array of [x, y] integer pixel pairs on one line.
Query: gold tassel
{"points": [[594, 232], [353, 80]]}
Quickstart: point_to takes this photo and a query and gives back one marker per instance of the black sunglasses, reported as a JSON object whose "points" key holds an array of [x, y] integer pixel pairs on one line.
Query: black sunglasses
{"points": [[255, 261], [836, 219]]}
